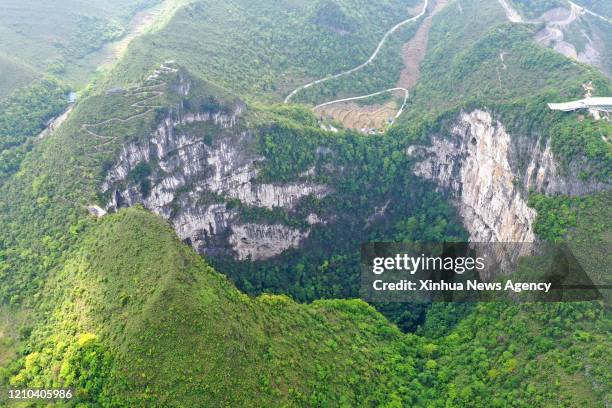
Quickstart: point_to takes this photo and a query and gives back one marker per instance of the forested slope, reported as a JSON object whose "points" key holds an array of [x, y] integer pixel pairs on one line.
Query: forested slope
{"points": [[123, 312], [137, 318], [278, 48]]}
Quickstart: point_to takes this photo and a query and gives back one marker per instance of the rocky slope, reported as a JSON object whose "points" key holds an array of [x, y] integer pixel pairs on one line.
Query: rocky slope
{"points": [[192, 167], [481, 165]]}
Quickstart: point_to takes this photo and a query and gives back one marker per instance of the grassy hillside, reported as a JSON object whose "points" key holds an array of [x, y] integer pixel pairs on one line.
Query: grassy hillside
{"points": [[137, 318], [171, 331]]}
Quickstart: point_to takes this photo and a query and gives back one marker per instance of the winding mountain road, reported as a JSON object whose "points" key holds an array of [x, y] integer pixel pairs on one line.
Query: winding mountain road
{"points": [[357, 68], [587, 11], [354, 98], [150, 92], [575, 10]]}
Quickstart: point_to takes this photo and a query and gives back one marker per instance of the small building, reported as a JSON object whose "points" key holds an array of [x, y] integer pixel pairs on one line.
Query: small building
{"points": [[72, 97]]}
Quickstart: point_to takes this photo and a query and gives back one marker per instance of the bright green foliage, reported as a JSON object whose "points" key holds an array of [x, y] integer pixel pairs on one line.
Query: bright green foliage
{"points": [[477, 74], [129, 316], [556, 215], [23, 115], [374, 171], [586, 139], [584, 224], [279, 46], [139, 319], [381, 74]]}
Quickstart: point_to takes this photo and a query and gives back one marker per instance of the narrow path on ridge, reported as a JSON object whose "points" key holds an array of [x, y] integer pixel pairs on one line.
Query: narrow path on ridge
{"points": [[149, 92]]}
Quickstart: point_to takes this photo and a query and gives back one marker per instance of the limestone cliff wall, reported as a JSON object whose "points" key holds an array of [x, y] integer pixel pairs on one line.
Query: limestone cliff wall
{"points": [[190, 180], [479, 164]]}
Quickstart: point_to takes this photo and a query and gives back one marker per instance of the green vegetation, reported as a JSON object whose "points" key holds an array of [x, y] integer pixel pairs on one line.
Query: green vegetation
{"points": [[14, 75], [329, 14], [502, 66], [497, 65], [123, 312], [381, 74], [556, 215], [280, 46], [174, 330], [581, 222], [584, 139], [64, 34], [533, 9], [364, 173], [25, 114]]}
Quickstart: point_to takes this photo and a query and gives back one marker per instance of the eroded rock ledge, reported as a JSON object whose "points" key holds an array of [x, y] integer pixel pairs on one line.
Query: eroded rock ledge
{"points": [[188, 180]]}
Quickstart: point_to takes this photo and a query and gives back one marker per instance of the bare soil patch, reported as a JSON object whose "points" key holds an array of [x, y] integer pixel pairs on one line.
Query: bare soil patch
{"points": [[414, 50]]}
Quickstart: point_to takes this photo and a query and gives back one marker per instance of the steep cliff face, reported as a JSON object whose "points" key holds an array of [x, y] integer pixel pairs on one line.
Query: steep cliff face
{"points": [[191, 168], [480, 165], [474, 163]]}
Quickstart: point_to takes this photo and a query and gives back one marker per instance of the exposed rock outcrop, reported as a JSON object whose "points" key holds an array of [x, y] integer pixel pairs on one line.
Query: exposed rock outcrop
{"points": [[544, 174], [567, 32], [256, 241], [180, 174], [480, 165], [474, 164]]}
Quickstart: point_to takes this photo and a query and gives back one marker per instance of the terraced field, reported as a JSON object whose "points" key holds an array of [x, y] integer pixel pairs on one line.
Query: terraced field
{"points": [[365, 118]]}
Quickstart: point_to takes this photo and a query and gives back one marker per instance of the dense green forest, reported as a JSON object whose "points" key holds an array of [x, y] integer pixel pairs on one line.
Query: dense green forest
{"points": [[535, 8], [381, 74], [124, 313], [24, 115], [280, 48], [126, 340]]}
